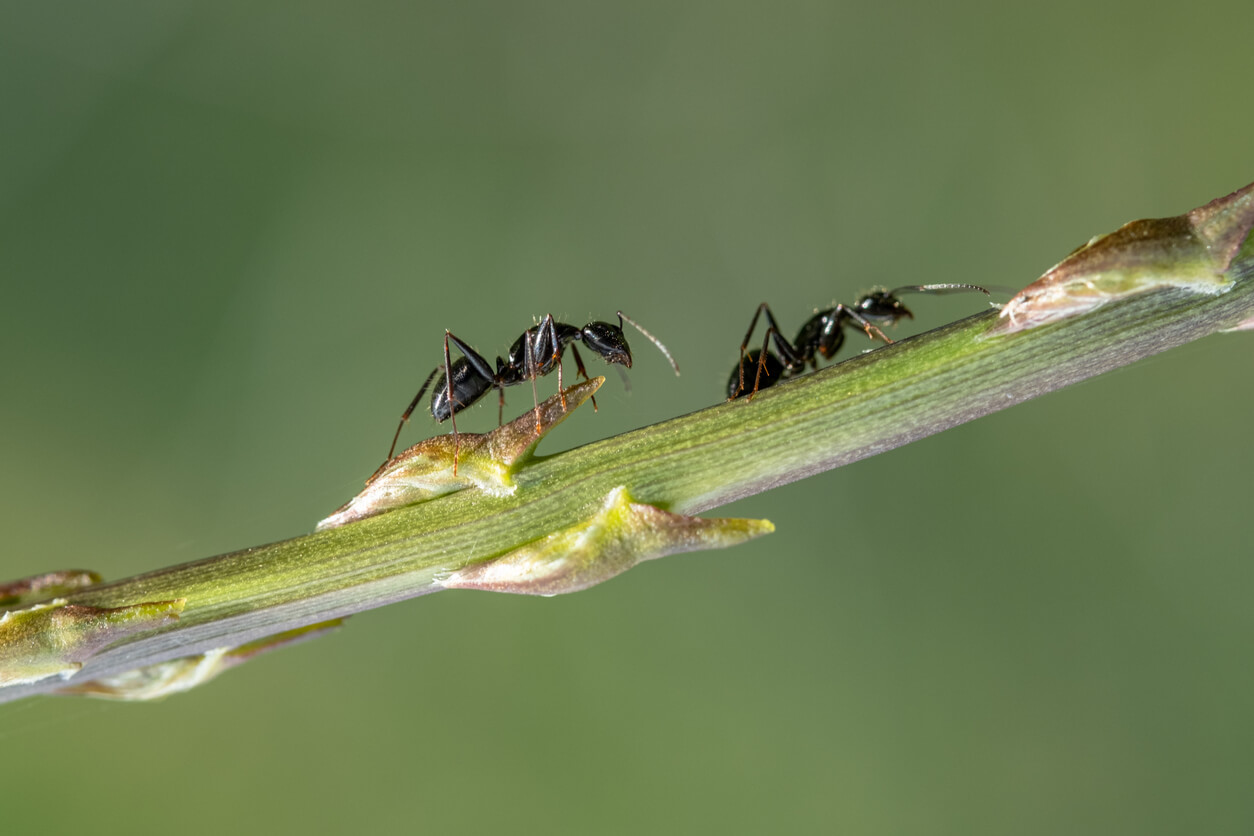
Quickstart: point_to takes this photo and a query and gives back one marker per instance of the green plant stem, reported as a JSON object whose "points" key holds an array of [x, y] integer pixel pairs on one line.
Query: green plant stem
{"points": [[866, 405]]}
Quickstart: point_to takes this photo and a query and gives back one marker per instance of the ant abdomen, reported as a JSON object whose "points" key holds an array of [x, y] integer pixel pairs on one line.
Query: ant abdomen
{"points": [[763, 374]]}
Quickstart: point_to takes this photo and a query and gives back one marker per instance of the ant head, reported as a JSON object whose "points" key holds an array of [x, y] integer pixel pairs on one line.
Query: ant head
{"points": [[608, 341], [884, 306]]}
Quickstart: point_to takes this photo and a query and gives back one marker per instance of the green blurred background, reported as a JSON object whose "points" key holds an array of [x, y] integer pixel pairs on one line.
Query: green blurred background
{"points": [[232, 234]]}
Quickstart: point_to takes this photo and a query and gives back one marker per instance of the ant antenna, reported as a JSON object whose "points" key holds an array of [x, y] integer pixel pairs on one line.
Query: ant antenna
{"points": [[949, 287], [622, 375], [622, 316]]}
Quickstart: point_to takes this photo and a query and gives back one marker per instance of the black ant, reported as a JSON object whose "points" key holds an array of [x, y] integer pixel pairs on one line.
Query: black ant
{"points": [[822, 335], [534, 354]]}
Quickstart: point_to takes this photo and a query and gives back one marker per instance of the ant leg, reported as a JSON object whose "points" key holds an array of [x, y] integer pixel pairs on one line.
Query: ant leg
{"points": [[531, 373], [410, 411], [772, 328], [789, 354], [757, 378], [561, 387], [474, 358], [481, 367], [475, 362], [452, 405], [579, 369], [843, 312], [744, 345], [549, 329]]}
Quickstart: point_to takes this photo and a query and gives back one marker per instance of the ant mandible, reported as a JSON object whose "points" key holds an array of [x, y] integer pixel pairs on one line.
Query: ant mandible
{"points": [[821, 335], [537, 352]]}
